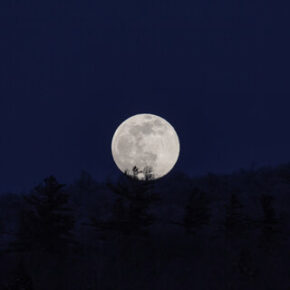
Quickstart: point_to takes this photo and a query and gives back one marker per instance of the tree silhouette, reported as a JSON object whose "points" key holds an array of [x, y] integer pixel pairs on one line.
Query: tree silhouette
{"points": [[123, 212], [197, 212], [130, 213], [235, 221], [47, 222], [270, 224], [1, 228]]}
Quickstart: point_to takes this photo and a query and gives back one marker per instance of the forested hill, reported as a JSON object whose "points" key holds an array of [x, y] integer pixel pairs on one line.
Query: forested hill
{"points": [[209, 232]]}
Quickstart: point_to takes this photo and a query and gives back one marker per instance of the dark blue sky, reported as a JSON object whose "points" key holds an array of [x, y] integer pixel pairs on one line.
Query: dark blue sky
{"points": [[218, 71]]}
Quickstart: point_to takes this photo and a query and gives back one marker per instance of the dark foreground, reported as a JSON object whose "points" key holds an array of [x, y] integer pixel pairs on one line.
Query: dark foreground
{"points": [[213, 232]]}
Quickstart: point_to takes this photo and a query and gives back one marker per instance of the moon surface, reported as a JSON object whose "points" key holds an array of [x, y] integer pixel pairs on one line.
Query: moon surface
{"points": [[145, 141]]}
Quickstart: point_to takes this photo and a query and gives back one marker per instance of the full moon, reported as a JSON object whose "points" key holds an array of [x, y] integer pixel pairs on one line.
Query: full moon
{"points": [[147, 142]]}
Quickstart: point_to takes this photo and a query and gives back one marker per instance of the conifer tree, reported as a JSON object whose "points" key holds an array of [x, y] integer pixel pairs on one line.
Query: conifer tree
{"points": [[130, 213], [47, 222], [235, 221], [197, 212], [270, 223]]}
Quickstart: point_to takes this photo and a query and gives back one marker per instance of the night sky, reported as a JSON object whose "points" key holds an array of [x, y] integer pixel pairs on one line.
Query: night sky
{"points": [[70, 73]]}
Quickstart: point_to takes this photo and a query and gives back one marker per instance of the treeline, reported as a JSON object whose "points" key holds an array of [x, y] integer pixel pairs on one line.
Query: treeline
{"points": [[211, 232]]}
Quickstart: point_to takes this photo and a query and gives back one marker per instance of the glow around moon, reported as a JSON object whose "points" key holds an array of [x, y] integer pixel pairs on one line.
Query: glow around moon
{"points": [[145, 141]]}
